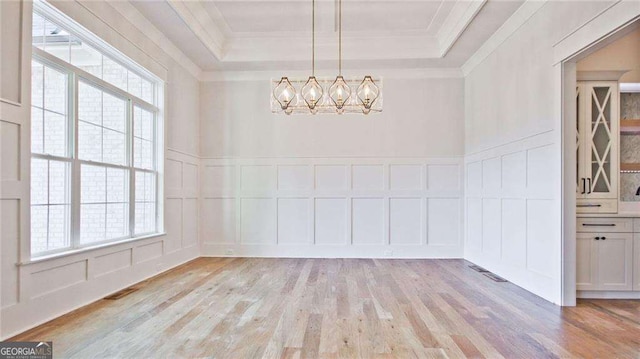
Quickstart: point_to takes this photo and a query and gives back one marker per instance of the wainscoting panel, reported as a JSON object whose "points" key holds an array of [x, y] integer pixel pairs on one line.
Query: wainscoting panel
{"points": [[330, 221], [332, 207], [511, 213], [34, 292]]}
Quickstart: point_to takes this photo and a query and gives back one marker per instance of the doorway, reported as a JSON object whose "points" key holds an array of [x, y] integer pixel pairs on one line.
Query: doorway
{"points": [[595, 176]]}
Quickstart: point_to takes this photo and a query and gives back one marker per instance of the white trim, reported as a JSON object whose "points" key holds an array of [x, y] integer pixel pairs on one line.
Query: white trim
{"points": [[517, 20], [196, 18], [456, 23], [579, 42], [349, 250], [47, 11], [608, 294], [424, 73], [93, 80], [75, 75], [630, 87], [80, 250], [138, 20]]}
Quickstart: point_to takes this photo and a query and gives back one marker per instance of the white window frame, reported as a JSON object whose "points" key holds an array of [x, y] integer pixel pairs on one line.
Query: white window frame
{"points": [[74, 76]]}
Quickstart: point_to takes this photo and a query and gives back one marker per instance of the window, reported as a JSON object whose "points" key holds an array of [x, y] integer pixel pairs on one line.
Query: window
{"points": [[95, 140]]}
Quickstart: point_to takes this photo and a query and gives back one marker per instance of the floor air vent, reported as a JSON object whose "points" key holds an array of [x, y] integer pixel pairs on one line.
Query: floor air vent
{"points": [[121, 293], [478, 268], [494, 277]]}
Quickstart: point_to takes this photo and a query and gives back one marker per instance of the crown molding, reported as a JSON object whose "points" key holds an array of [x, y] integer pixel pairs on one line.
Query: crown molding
{"points": [[459, 18], [513, 23], [196, 18], [140, 22], [423, 73], [211, 29]]}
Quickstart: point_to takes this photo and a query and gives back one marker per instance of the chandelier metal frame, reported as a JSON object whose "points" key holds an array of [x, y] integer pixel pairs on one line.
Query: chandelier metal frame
{"points": [[325, 95]]}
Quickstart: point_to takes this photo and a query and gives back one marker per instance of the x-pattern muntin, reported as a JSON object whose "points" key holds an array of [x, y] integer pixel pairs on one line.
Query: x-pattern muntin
{"points": [[601, 121]]}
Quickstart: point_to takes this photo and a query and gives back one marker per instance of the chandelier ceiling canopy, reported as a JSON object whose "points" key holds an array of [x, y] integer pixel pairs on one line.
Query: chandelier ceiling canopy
{"points": [[314, 95]]}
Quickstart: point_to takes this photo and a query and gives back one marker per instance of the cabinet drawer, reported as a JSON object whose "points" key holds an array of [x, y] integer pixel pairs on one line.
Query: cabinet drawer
{"points": [[612, 225], [597, 206]]}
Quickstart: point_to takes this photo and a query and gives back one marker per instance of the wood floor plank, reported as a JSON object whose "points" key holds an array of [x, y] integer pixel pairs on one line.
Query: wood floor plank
{"points": [[339, 308]]}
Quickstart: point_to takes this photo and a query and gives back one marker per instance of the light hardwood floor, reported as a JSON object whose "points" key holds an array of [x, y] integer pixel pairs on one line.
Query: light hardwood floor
{"points": [[330, 308]]}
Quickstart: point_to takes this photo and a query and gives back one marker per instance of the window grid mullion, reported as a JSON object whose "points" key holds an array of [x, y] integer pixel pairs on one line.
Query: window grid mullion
{"points": [[155, 168], [132, 172], [76, 175], [48, 200]]}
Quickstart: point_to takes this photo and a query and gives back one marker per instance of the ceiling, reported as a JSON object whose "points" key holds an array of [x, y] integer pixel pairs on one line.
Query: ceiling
{"points": [[266, 35]]}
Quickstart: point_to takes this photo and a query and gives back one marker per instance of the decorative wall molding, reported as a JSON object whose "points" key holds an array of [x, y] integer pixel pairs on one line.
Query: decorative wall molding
{"points": [[71, 281], [510, 205], [200, 23], [424, 73], [604, 24], [158, 39], [454, 25], [13, 25], [328, 207], [519, 18]]}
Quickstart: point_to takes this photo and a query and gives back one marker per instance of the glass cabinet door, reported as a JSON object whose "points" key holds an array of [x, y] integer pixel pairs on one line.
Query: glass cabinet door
{"points": [[602, 165]]}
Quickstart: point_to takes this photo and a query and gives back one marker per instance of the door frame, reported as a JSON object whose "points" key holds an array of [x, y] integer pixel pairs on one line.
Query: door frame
{"points": [[609, 25]]}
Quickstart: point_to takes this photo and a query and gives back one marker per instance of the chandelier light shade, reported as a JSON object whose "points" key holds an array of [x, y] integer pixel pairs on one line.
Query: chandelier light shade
{"points": [[323, 96], [312, 93], [339, 92], [368, 93], [284, 93]]}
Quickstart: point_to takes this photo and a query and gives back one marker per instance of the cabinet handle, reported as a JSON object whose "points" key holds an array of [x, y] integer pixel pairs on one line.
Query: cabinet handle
{"points": [[599, 224], [597, 238], [603, 238], [584, 186], [588, 205], [589, 186]]}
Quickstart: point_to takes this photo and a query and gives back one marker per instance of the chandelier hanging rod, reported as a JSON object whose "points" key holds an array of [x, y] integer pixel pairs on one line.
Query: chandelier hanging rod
{"points": [[322, 96]]}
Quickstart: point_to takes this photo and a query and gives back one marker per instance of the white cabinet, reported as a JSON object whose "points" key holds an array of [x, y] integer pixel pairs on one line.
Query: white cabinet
{"points": [[605, 261], [586, 253], [597, 136]]}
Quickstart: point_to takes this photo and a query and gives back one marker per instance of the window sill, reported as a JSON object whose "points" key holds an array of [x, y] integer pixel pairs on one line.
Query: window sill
{"points": [[68, 253]]}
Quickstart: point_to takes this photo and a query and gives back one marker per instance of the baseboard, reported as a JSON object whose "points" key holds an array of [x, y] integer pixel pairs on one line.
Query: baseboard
{"points": [[330, 251], [593, 294]]}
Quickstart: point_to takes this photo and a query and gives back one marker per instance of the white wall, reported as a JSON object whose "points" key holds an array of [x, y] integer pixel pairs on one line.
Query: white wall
{"points": [[422, 117], [34, 292], [333, 186], [513, 145]]}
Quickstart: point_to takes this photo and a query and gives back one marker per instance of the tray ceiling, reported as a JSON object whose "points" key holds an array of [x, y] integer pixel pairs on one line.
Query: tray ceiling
{"points": [[264, 35]]}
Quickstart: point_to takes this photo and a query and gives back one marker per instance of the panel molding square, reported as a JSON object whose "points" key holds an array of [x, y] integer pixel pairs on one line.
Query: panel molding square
{"points": [[218, 220], [218, 178], [257, 221], [331, 177], [260, 177], [294, 177], [293, 221], [443, 177], [330, 221], [367, 226], [405, 221], [369, 177], [444, 221], [405, 177]]}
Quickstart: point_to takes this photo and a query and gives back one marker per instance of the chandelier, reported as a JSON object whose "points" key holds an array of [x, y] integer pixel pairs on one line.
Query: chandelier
{"points": [[325, 95]]}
